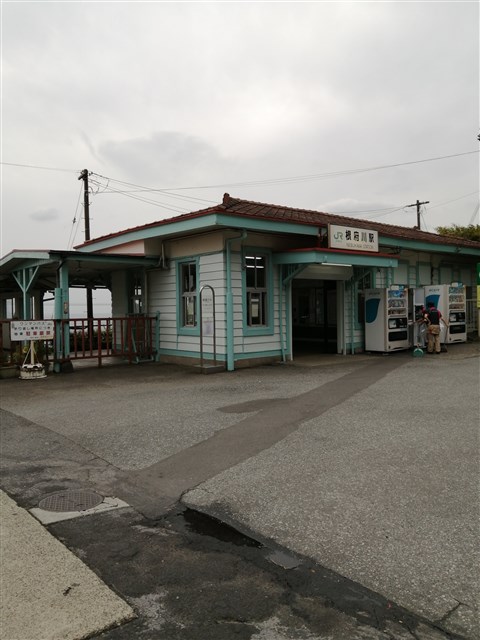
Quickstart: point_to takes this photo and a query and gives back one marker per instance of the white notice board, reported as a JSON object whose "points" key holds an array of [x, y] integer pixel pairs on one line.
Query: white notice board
{"points": [[32, 330]]}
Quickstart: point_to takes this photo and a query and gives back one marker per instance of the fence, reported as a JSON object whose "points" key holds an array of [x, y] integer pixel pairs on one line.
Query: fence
{"points": [[472, 316], [133, 338]]}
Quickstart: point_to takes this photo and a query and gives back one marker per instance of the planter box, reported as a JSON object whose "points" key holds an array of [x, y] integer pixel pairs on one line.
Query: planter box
{"points": [[32, 371], [8, 372]]}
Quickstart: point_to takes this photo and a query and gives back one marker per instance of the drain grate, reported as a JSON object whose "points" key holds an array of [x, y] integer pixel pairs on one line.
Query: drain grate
{"points": [[71, 500]]}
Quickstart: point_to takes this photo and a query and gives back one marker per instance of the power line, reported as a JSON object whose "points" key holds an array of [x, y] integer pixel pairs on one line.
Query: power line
{"points": [[387, 213], [32, 166], [71, 239], [169, 192], [440, 204], [301, 178], [475, 214], [155, 203], [319, 176], [143, 189]]}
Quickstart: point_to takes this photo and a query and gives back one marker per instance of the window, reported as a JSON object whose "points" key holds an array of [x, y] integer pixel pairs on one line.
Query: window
{"points": [[188, 292], [256, 289], [136, 298]]}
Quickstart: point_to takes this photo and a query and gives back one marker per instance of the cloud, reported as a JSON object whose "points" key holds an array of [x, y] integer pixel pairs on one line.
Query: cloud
{"points": [[183, 94], [45, 215], [164, 158]]}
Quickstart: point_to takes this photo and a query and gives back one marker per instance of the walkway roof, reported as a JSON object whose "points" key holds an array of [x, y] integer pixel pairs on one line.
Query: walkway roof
{"points": [[84, 268]]}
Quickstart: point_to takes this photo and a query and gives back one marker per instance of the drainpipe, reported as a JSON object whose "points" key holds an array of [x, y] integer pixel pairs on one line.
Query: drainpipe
{"points": [[280, 323], [229, 300], [352, 316]]}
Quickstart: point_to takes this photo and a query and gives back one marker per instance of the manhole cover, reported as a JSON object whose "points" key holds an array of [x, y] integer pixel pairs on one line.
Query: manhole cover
{"points": [[73, 500]]}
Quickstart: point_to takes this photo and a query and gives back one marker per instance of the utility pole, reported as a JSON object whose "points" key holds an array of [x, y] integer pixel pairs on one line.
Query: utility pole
{"points": [[86, 205], [86, 215], [418, 204]]}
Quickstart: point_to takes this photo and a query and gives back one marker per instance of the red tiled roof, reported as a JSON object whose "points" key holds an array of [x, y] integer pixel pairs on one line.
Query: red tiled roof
{"points": [[250, 209], [320, 219]]}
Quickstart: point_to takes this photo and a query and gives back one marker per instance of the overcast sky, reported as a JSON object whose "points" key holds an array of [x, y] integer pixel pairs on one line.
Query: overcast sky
{"points": [[198, 94]]}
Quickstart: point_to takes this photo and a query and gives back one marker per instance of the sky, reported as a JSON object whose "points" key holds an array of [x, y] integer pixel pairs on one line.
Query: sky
{"points": [[171, 104]]}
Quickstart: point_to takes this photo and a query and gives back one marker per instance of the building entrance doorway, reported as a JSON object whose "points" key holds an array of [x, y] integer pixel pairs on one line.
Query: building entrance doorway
{"points": [[314, 316]]}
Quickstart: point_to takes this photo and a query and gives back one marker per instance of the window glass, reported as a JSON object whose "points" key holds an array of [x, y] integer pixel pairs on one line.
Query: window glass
{"points": [[189, 294], [256, 287]]}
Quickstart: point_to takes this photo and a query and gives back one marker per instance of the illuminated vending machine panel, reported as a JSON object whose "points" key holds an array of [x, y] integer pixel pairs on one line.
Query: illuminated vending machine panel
{"points": [[450, 300], [386, 319]]}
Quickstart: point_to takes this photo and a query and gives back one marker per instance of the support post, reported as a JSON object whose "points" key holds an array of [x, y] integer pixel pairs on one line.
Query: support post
{"points": [[62, 315], [86, 215]]}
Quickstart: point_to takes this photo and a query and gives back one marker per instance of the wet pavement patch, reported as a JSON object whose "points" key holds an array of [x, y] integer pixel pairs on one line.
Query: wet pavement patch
{"points": [[205, 525], [191, 577]]}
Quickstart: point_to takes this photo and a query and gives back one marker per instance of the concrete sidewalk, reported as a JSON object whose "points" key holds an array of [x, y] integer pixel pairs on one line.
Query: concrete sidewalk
{"points": [[46, 591], [367, 466], [383, 489]]}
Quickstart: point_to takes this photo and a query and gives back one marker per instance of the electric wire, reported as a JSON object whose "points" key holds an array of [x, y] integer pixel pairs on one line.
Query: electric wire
{"points": [[440, 204], [78, 227], [141, 188], [70, 239], [286, 180], [319, 176], [170, 193], [32, 166], [475, 214], [149, 201], [387, 213]]}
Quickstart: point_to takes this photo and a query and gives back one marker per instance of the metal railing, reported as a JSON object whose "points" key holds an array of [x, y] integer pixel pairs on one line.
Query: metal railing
{"points": [[134, 338], [472, 316]]}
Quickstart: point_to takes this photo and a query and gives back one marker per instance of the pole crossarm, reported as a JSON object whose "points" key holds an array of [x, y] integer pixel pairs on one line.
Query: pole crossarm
{"points": [[418, 205]]}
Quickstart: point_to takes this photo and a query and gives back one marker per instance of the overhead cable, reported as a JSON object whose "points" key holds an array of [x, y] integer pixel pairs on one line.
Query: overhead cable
{"points": [[32, 166], [319, 176]]}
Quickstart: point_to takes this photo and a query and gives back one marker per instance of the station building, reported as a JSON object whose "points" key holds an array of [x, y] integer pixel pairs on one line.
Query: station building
{"points": [[243, 283]]}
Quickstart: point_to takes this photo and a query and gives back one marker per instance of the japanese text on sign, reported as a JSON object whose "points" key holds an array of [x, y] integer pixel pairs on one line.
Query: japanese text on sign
{"points": [[32, 330], [340, 237], [208, 312]]}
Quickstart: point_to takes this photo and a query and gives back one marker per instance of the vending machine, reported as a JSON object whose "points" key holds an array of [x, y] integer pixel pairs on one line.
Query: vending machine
{"points": [[450, 300], [386, 319], [416, 301]]}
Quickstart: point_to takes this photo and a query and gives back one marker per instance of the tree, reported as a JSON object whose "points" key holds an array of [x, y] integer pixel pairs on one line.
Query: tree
{"points": [[472, 232]]}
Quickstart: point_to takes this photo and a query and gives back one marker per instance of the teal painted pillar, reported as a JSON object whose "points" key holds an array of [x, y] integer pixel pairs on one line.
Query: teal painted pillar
{"points": [[62, 312], [229, 301], [157, 337], [25, 278]]}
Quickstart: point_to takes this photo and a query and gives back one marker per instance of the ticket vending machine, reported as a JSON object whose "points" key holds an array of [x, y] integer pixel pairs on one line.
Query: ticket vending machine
{"points": [[386, 319], [450, 300]]}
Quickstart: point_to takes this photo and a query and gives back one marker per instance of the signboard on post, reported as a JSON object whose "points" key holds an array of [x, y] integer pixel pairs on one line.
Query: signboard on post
{"points": [[207, 311], [208, 329], [32, 330]]}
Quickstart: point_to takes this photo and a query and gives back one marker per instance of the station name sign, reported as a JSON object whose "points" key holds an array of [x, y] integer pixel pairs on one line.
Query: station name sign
{"points": [[340, 237], [32, 330]]}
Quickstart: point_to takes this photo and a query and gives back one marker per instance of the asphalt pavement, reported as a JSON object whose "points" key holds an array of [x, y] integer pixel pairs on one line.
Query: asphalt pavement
{"points": [[361, 471]]}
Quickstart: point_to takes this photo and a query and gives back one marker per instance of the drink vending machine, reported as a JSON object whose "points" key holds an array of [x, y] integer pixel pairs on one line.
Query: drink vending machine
{"points": [[450, 300], [419, 329], [386, 319]]}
